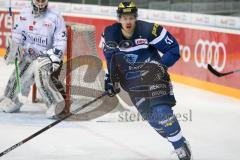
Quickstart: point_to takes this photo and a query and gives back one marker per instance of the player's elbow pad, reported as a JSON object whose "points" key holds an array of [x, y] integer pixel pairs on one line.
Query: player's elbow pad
{"points": [[178, 56], [170, 59], [175, 52]]}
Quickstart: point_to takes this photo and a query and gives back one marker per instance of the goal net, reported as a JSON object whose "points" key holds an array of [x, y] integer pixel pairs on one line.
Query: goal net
{"points": [[83, 75]]}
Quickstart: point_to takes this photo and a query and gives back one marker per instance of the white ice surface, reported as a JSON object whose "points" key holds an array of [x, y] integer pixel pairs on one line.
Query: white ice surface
{"points": [[213, 132]]}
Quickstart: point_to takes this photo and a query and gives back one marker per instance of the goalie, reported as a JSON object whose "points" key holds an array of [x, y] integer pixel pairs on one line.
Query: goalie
{"points": [[131, 48], [38, 42]]}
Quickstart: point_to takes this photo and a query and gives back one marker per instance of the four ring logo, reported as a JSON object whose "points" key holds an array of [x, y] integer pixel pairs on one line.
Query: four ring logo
{"points": [[213, 53]]}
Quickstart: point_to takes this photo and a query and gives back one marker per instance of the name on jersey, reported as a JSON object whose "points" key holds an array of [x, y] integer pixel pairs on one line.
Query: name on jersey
{"points": [[154, 30], [141, 41], [35, 39]]}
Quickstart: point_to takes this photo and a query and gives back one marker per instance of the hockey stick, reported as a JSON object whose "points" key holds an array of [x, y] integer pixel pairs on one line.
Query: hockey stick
{"points": [[51, 125], [218, 74], [16, 59], [10, 8], [17, 75], [19, 93]]}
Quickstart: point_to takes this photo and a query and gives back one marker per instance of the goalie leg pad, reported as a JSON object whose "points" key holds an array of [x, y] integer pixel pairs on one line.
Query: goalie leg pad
{"points": [[56, 81], [55, 109], [8, 106], [51, 96], [26, 80]]}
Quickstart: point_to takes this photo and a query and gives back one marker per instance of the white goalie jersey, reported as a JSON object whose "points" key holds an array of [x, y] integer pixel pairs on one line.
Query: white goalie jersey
{"points": [[33, 37], [37, 34]]}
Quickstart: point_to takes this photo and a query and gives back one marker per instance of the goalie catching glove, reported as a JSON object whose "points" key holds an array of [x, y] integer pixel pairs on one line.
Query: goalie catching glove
{"points": [[50, 60]]}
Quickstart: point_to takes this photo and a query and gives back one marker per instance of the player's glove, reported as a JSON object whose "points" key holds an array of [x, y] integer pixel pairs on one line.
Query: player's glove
{"points": [[111, 87], [156, 70]]}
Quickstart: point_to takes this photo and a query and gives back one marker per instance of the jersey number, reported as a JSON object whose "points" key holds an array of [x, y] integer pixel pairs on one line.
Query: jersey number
{"points": [[168, 40], [64, 34]]}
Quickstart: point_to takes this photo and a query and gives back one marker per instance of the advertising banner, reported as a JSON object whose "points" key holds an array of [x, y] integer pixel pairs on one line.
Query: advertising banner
{"points": [[200, 47], [5, 28]]}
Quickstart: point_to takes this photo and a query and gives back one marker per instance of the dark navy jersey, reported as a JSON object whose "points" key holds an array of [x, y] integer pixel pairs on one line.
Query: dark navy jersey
{"points": [[149, 41]]}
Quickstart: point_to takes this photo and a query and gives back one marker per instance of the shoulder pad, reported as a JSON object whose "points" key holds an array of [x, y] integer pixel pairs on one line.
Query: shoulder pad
{"points": [[111, 33], [156, 30], [150, 30]]}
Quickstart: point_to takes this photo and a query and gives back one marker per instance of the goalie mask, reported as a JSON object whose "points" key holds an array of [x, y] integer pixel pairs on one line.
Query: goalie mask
{"points": [[39, 6]]}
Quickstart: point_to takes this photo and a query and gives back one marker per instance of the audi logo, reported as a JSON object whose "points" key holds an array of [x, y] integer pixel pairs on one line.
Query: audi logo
{"points": [[213, 53]]}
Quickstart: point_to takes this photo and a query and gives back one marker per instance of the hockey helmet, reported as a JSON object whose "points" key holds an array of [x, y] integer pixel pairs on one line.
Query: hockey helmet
{"points": [[39, 6], [127, 8]]}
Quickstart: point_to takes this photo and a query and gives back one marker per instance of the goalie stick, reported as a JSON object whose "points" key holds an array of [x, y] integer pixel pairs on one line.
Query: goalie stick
{"points": [[218, 74], [17, 77], [19, 93], [51, 125], [16, 59]]}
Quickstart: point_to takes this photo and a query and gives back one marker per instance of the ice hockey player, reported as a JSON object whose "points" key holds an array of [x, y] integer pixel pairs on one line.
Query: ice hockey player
{"points": [[38, 41], [131, 48]]}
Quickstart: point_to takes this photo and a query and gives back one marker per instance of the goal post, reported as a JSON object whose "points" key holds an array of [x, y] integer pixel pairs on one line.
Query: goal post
{"points": [[82, 75], [81, 50]]}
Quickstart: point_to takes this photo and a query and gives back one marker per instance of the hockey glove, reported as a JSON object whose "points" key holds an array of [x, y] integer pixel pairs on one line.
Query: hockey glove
{"points": [[45, 63], [156, 70], [54, 55], [111, 87]]}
